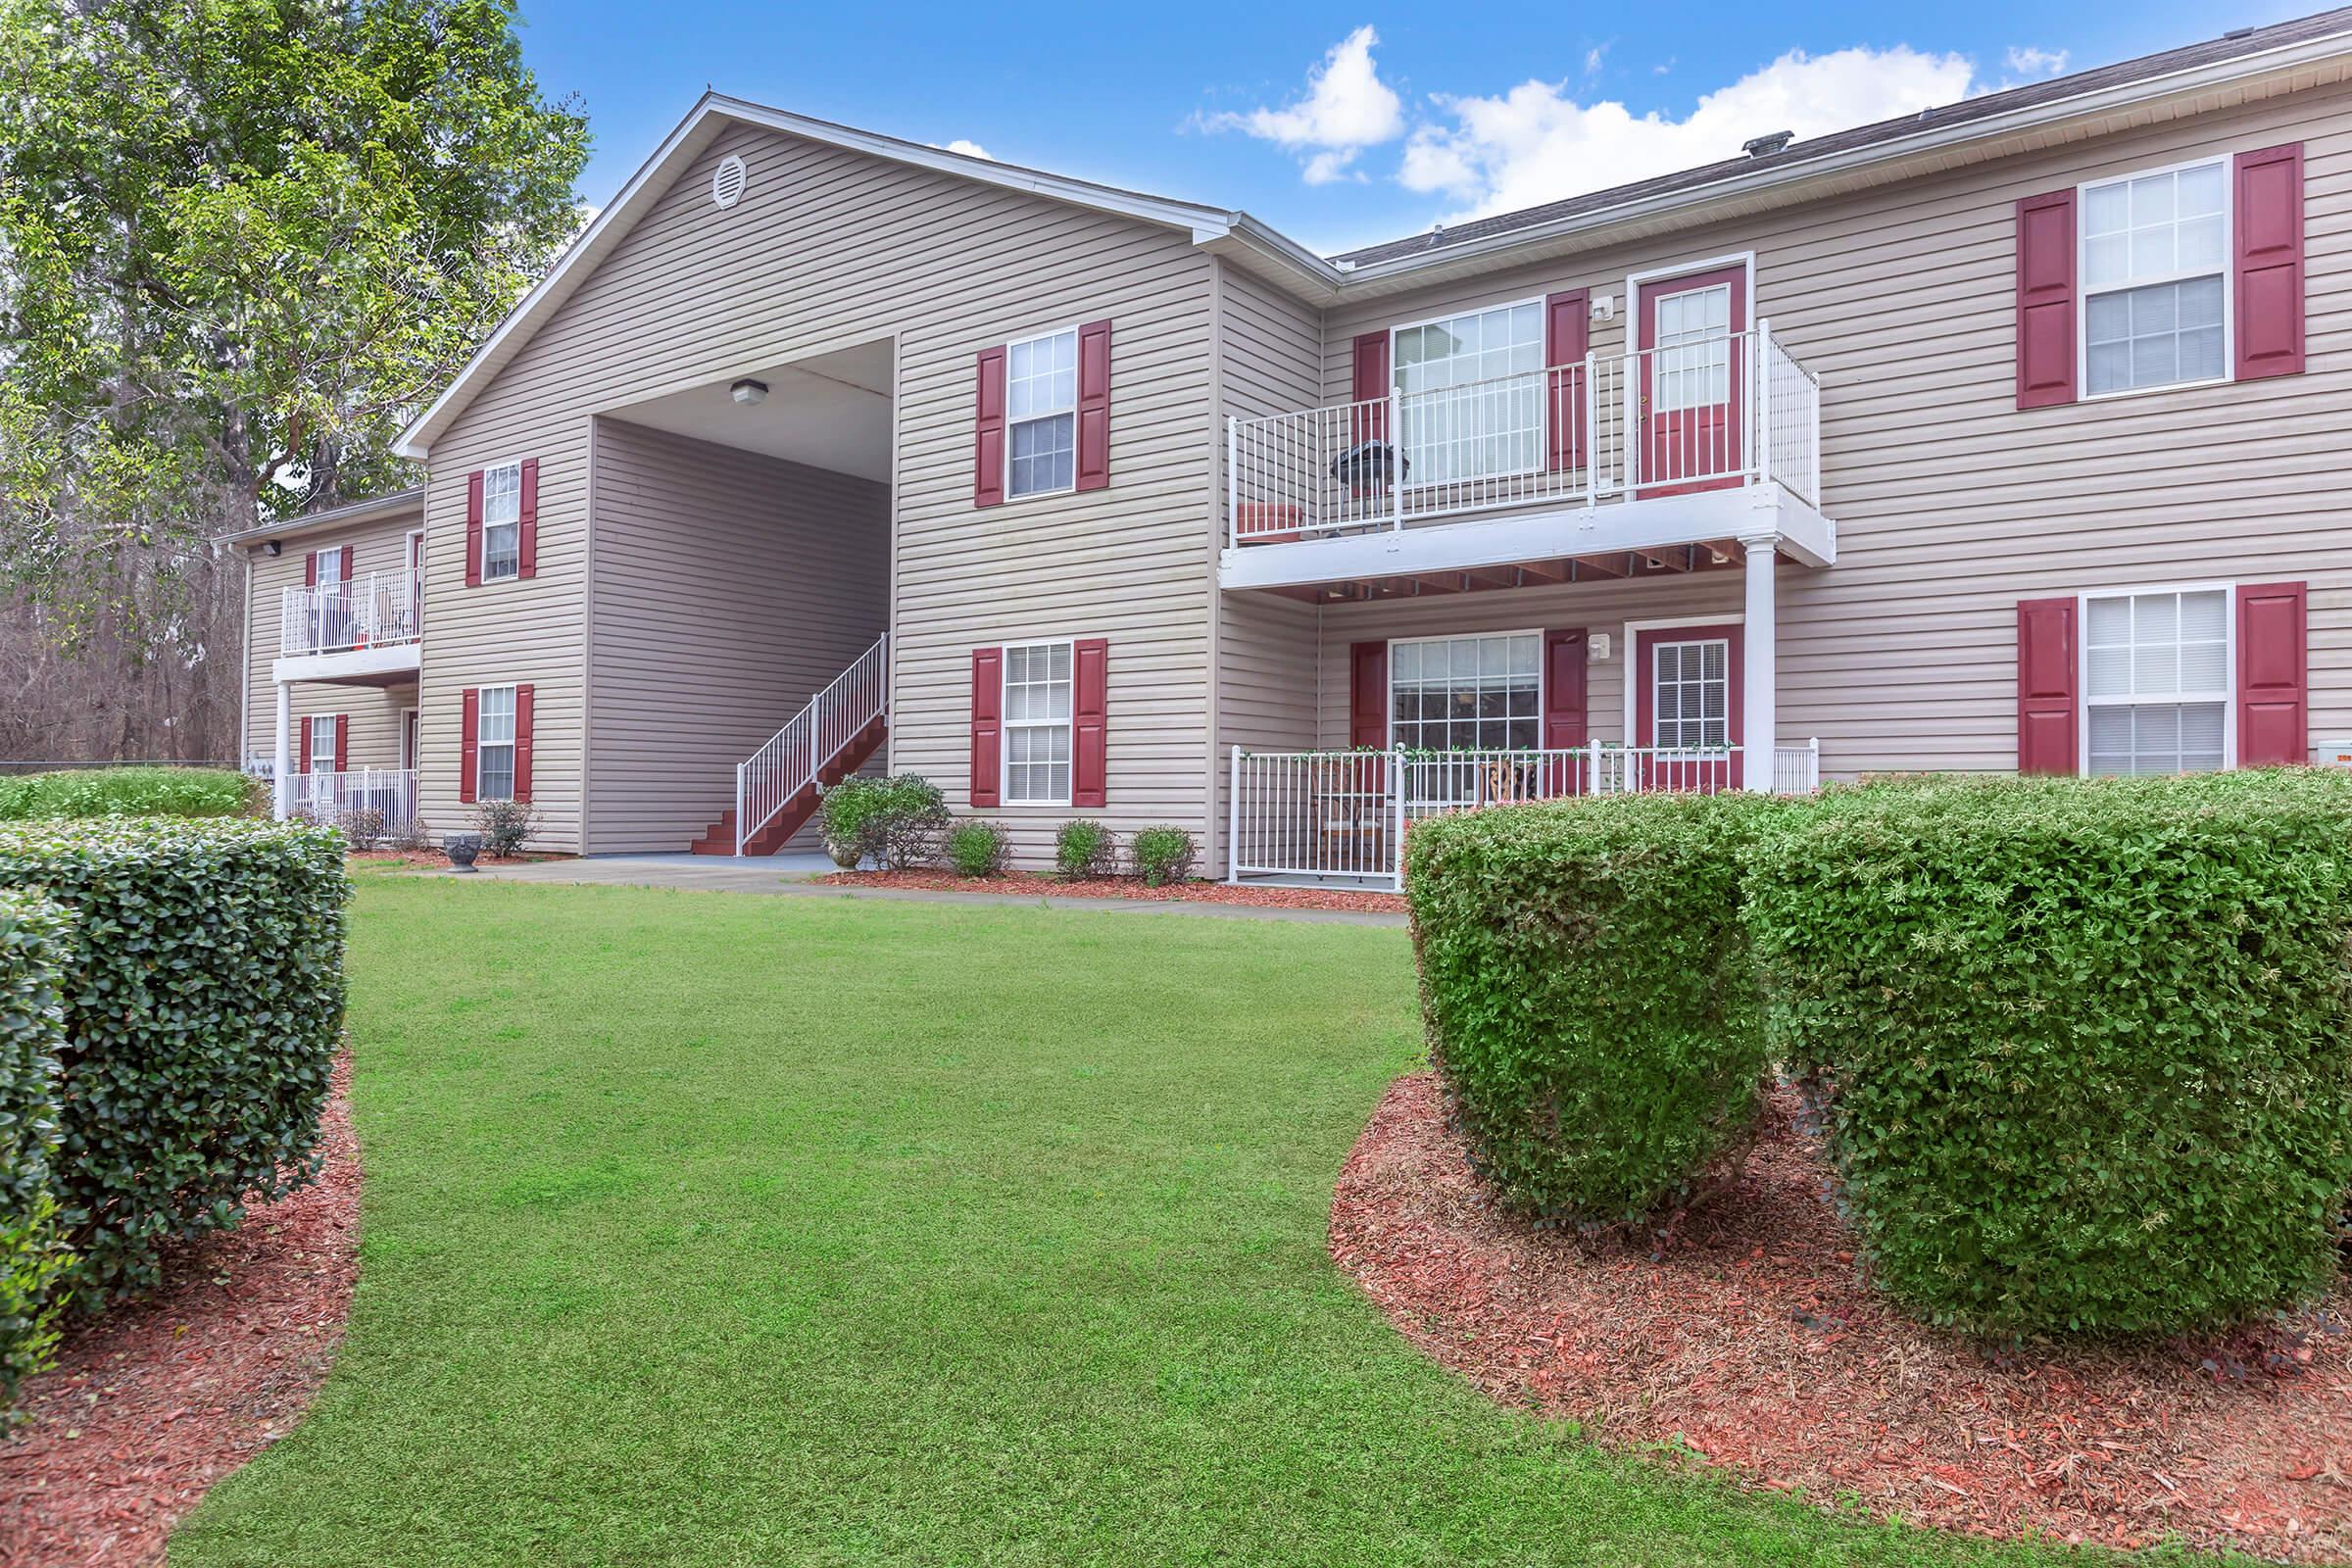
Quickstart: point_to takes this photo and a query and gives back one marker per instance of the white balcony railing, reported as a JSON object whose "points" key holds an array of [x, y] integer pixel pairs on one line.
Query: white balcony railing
{"points": [[795, 756], [1608, 427], [368, 612], [1344, 814], [331, 799]]}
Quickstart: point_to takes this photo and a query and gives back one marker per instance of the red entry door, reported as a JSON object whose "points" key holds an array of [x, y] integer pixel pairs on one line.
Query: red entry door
{"points": [[1693, 362], [1689, 706]]}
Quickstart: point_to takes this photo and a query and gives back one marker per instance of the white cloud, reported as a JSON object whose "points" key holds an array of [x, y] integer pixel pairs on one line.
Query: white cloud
{"points": [[2028, 60], [969, 149], [1537, 143], [1347, 108]]}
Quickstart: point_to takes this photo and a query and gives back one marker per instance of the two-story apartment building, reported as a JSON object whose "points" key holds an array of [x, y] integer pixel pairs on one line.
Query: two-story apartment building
{"points": [[2003, 436]]}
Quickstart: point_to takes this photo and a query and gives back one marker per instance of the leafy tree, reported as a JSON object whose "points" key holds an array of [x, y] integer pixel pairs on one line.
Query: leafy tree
{"points": [[241, 242]]}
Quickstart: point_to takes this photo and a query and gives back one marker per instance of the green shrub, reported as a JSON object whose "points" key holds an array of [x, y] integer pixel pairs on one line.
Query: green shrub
{"points": [[133, 792], [897, 820], [978, 849], [504, 825], [1588, 996], [1162, 855], [202, 1007], [1085, 849], [34, 936], [2091, 1042]]}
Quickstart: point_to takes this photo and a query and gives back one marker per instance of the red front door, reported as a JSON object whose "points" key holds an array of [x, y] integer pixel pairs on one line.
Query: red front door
{"points": [[1689, 707], [1693, 361]]}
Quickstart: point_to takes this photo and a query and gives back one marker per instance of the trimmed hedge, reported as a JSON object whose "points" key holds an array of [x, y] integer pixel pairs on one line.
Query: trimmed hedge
{"points": [[977, 848], [132, 792], [2091, 1043], [34, 953], [1590, 1002], [203, 1003]]}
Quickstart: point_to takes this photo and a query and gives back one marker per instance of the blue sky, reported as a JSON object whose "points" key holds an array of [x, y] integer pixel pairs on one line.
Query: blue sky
{"points": [[1340, 125]]}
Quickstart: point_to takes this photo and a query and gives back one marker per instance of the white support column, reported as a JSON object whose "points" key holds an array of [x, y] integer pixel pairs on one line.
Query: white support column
{"points": [[1761, 670], [283, 773]]}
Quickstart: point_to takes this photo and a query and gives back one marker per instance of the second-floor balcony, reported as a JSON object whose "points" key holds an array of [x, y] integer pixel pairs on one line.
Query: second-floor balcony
{"points": [[1665, 447], [368, 625]]}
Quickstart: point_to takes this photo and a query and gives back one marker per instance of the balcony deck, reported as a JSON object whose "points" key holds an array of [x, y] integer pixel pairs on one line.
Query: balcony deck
{"points": [[369, 631]]}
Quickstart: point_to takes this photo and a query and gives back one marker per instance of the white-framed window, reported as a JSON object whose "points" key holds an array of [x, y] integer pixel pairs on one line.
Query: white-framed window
{"points": [[1690, 693], [1458, 694], [1472, 407], [501, 521], [322, 735], [2155, 278], [1692, 334], [2157, 671], [1040, 414], [493, 744], [1037, 724], [326, 568]]}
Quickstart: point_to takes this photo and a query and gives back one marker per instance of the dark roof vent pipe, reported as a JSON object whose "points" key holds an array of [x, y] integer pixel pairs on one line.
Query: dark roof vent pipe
{"points": [[1766, 146]]}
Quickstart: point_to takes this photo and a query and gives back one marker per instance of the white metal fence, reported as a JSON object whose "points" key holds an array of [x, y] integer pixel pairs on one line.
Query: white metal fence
{"points": [[796, 754], [369, 611], [1718, 411], [1344, 814], [332, 797]]}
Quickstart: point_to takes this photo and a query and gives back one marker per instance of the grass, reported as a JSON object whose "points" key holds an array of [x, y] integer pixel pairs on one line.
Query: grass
{"points": [[709, 1229]]}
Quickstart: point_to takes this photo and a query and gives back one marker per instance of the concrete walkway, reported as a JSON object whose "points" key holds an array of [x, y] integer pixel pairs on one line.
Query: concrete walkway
{"points": [[791, 876]]}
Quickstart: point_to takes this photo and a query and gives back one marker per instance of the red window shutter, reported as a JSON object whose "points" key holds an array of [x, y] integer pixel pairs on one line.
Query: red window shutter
{"points": [[988, 431], [310, 569], [2045, 301], [469, 721], [987, 725], [342, 743], [2268, 236], [1093, 405], [2274, 708], [1567, 319], [1564, 720], [1368, 695], [2045, 686], [526, 533], [1372, 386], [1090, 767], [522, 743], [347, 563], [474, 532]]}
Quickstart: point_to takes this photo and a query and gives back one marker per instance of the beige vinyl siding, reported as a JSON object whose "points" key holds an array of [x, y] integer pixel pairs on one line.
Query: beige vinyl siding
{"points": [[828, 249], [729, 588], [1951, 504], [378, 545]]}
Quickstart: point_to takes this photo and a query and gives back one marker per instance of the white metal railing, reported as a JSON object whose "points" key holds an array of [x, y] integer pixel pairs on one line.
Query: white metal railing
{"points": [[1344, 814], [1738, 409], [332, 797], [795, 755], [381, 608]]}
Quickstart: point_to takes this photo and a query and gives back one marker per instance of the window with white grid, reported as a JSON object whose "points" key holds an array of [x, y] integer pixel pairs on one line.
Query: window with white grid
{"points": [[1461, 694], [1037, 724], [493, 744], [2156, 680], [1041, 413], [501, 521], [322, 743], [1690, 693], [1473, 404], [2155, 260], [1693, 366], [326, 570]]}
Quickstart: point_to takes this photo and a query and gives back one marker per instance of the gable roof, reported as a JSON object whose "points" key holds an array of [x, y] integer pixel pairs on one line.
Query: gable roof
{"points": [[2237, 57]]}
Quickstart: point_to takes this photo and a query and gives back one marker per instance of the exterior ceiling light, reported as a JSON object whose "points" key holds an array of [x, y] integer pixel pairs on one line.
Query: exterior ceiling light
{"points": [[748, 392]]}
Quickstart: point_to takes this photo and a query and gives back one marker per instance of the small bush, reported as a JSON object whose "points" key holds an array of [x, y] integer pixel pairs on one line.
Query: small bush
{"points": [[1084, 850], [504, 825], [362, 826], [133, 792], [1586, 983], [34, 950], [894, 820], [410, 837], [203, 1002], [1162, 855], [978, 849], [2089, 1042]]}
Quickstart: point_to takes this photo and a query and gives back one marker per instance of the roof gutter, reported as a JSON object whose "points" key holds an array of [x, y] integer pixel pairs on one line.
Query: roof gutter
{"points": [[409, 500]]}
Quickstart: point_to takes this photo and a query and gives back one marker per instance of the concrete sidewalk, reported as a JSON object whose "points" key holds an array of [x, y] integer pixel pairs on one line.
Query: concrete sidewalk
{"points": [[791, 876]]}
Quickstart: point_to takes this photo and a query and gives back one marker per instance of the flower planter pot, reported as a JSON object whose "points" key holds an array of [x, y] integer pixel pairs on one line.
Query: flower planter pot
{"points": [[461, 849]]}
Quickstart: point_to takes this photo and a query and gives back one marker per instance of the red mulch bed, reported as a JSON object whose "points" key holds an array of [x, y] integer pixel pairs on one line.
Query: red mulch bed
{"points": [[1751, 1337], [152, 1403], [1035, 884]]}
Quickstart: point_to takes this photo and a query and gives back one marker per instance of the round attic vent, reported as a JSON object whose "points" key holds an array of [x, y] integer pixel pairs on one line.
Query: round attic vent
{"points": [[727, 180]]}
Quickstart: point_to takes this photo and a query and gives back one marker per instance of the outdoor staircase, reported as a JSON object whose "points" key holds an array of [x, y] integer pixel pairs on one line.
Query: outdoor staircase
{"points": [[776, 790]]}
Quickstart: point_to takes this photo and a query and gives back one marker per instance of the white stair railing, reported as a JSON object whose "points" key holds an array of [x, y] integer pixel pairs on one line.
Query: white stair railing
{"points": [[795, 755]]}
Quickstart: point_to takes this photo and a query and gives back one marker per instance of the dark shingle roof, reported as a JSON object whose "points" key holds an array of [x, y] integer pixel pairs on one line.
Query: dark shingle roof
{"points": [[2230, 46]]}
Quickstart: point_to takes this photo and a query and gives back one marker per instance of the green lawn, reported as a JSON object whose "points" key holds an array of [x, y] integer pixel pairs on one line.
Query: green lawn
{"points": [[703, 1228]]}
